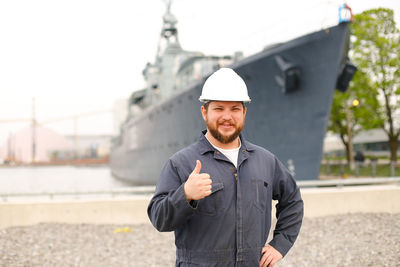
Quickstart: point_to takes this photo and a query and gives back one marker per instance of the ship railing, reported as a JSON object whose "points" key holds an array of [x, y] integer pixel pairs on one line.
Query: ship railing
{"points": [[149, 190]]}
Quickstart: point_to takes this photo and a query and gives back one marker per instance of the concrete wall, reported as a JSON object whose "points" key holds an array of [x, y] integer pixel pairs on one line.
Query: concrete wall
{"points": [[318, 202], [365, 199], [103, 211]]}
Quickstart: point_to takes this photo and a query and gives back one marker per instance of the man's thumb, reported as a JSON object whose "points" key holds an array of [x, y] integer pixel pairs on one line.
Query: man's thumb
{"points": [[197, 168]]}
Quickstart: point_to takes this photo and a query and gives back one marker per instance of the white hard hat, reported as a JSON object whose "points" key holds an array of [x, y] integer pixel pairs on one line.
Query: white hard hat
{"points": [[224, 85]]}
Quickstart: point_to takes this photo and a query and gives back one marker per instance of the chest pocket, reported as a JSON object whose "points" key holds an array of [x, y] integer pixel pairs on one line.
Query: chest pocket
{"points": [[213, 203], [260, 189]]}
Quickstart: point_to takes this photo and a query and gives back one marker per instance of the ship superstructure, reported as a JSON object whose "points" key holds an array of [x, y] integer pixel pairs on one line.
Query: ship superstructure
{"points": [[291, 86]]}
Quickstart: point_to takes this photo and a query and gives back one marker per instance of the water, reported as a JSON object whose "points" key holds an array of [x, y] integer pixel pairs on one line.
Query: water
{"points": [[55, 179]]}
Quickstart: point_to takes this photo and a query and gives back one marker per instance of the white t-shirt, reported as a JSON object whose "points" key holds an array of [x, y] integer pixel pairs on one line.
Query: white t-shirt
{"points": [[231, 154]]}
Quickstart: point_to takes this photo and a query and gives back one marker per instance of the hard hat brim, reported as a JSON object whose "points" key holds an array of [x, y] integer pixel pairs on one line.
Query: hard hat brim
{"points": [[203, 100]]}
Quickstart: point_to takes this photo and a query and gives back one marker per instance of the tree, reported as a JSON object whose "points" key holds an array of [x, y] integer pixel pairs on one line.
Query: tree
{"points": [[376, 50], [361, 116]]}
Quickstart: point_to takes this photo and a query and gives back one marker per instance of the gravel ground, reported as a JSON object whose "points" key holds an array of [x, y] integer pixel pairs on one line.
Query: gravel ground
{"points": [[346, 240]]}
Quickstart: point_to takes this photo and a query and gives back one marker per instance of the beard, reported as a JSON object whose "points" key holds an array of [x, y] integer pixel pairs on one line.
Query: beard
{"points": [[224, 139]]}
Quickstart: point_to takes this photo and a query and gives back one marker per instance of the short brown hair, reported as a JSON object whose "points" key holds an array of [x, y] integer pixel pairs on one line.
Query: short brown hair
{"points": [[206, 104]]}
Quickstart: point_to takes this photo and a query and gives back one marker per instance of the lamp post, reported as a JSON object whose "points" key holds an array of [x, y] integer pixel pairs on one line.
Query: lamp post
{"points": [[354, 103]]}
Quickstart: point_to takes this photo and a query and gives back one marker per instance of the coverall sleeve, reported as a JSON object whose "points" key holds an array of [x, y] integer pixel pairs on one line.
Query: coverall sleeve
{"points": [[289, 210], [169, 209]]}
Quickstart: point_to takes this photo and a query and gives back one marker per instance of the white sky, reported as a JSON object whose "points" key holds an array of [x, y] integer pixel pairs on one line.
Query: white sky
{"points": [[79, 56]]}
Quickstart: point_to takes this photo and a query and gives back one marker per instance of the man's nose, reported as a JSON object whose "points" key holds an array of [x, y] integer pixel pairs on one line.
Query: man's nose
{"points": [[227, 115]]}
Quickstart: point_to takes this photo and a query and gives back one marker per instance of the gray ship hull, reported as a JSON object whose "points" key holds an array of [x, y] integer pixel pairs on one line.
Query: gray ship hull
{"points": [[290, 125]]}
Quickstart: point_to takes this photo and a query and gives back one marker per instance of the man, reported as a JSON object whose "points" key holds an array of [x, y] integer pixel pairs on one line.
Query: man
{"points": [[216, 194]]}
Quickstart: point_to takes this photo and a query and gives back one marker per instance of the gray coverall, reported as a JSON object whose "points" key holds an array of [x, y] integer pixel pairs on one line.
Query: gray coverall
{"points": [[230, 226]]}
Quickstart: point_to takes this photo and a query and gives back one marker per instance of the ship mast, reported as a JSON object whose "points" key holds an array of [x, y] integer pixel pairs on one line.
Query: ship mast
{"points": [[159, 75], [169, 32]]}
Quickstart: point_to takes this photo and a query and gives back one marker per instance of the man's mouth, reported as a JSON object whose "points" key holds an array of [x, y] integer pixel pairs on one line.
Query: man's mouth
{"points": [[226, 125]]}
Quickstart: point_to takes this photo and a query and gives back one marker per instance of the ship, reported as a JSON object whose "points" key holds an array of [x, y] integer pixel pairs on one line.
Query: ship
{"points": [[291, 85]]}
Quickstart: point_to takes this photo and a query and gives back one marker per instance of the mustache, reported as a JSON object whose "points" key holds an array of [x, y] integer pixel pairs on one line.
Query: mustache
{"points": [[231, 122]]}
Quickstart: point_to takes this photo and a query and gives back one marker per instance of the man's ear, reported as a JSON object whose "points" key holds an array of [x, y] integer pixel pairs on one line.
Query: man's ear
{"points": [[244, 111], [204, 112]]}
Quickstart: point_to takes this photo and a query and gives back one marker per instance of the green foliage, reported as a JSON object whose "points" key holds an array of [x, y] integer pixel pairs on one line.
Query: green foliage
{"points": [[375, 41], [362, 116], [375, 49], [366, 115]]}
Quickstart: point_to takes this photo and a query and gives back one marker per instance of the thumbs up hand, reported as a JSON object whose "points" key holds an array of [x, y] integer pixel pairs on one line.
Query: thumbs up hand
{"points": [[198, 185]]}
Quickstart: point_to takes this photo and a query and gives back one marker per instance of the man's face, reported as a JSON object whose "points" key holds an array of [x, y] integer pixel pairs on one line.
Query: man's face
{"points": [[224, 119]]}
